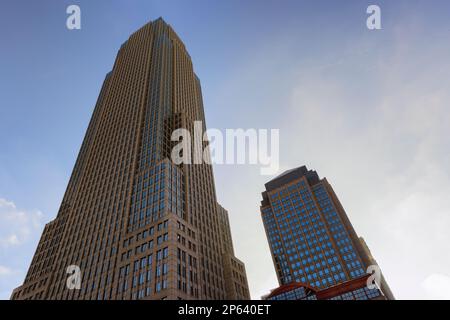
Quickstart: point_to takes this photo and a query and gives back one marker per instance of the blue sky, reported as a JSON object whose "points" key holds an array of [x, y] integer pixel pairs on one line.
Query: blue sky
{"points": [[367, 109]]}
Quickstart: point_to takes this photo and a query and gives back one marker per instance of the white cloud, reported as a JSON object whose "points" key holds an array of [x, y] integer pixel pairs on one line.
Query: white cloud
{"points": [[19, 232], [437, 286], [5, 271], [16, 226], [11, 240]]}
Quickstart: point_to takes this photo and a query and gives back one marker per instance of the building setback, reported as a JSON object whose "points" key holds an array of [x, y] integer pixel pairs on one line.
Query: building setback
{"points": [[312, 241], [137, 225]]}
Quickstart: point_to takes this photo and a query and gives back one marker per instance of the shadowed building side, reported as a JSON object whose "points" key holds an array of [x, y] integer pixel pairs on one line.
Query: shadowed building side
{"points": [[236, 284]]}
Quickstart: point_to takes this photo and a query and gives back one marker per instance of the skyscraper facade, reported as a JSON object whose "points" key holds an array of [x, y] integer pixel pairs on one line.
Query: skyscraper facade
{"points": [[133, 223], [234, 269], [310, 236]]}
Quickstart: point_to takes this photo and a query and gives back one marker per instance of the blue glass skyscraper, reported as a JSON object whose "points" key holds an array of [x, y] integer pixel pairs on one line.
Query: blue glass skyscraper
{"points": [[310, 236]]}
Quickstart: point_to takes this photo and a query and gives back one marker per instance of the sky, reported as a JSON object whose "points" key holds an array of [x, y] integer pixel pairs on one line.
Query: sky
{"points": [[367, 109]]}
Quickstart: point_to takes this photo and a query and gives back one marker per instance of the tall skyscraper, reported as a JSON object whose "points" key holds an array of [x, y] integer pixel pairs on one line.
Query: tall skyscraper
{"points": [[135, 224], [310, 236]]}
